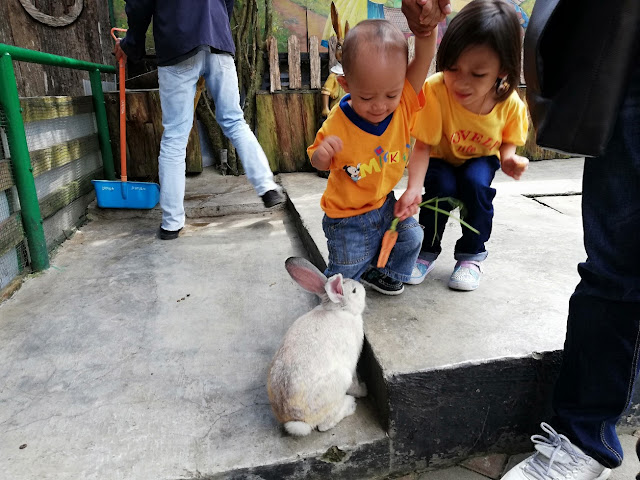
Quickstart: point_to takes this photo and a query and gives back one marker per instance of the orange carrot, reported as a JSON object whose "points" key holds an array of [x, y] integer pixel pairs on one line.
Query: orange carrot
{"points": [[388, 241]]}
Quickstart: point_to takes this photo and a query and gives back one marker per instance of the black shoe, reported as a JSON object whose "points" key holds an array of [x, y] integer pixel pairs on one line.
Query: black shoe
{"points": [[272, 198], [169, 234], [382, 283]]}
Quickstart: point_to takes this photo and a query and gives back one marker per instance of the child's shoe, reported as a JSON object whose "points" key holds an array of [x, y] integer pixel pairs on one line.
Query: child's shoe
{"points": [[420, 271], [466, 276], [382, 283]]}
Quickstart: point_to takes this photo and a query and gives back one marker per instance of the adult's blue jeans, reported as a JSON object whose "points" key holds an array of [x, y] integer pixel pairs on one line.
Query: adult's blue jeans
{"points": [[354, 243], [471, 184], [177, 93], [600, 360]]}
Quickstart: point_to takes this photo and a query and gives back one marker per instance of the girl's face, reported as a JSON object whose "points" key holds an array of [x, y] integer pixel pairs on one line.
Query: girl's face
{"points": [[375, 85], [471, 80]]}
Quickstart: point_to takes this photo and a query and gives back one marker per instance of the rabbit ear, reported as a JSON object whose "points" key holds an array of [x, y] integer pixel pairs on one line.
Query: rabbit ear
{"points": [[334, 289], [306, 275], [336, 22]]}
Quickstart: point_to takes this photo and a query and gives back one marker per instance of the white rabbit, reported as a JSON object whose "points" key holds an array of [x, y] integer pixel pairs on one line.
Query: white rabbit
{"points": [[312, 379]]}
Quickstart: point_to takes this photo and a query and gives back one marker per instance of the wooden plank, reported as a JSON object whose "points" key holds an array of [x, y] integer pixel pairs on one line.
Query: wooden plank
{"points": [[47, 108], [12, 233], [295, 75], [274, 65], [67, 194], [87, 39], [55, 156], [411, 41], [314, 62], [6, 179], [284, 146]]}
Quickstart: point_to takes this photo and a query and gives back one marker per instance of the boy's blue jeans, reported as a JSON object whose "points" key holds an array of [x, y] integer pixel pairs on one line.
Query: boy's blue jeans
{"points": [[354, 243], [470, 183], [177, 93], [600, 361]]}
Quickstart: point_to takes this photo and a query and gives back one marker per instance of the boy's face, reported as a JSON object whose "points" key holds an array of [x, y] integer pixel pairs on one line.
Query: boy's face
{"points": [[375, 83], [471, 80]]}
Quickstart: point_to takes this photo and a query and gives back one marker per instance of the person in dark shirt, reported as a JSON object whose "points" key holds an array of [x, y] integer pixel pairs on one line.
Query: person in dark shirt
{"points": [[193, 39]]}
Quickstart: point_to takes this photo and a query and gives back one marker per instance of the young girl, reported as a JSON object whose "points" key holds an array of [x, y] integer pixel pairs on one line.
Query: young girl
{"points": [[470, 126]]}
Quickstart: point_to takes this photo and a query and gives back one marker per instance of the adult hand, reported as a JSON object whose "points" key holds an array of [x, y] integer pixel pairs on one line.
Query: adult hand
{"points": [[118, 52], [423, 15]]}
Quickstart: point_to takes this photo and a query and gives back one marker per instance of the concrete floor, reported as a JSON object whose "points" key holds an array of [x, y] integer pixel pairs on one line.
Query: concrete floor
{"points": [[134, 358]]}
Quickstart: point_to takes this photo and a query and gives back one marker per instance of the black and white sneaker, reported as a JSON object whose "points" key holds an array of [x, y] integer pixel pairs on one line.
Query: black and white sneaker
{"points": [[381, 283]]}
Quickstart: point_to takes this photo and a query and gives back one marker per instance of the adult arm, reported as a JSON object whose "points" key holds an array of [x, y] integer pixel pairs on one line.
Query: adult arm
{"points": [[139, 14]]}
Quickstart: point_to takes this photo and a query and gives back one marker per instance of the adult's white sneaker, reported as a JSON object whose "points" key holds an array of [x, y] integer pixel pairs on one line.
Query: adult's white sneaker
{"points": [[557, 458]]}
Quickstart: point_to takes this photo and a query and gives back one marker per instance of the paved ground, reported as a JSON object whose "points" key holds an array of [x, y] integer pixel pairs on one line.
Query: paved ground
{"points": [[133, 358]]}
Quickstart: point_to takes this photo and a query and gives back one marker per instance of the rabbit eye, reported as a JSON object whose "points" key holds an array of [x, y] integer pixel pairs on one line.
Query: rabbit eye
{"points": [[354, 290]]}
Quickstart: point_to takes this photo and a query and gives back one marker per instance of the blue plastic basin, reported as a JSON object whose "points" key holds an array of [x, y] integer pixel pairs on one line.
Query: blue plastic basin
{"points": [[116, 194]]}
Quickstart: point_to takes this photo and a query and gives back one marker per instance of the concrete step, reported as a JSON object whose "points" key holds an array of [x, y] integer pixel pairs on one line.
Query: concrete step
{"points": [[457, 373]]}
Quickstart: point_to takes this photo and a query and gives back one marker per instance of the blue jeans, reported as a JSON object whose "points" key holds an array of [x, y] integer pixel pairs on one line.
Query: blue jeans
{"points": [[471, 184], [354, 243], [600, 360], [177, 93]]}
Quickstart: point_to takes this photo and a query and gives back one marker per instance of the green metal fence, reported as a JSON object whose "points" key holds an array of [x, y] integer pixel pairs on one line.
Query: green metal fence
{"points": [[20, 165]]}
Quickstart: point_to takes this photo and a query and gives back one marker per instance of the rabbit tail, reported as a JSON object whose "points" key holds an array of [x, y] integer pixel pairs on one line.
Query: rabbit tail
{"points": [[299, 429]]}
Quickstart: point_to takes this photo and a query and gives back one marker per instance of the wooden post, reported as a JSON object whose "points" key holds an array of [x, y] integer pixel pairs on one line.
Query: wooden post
{"points": [[411, 41], [295, 75], [274, 65], [314, 62]]}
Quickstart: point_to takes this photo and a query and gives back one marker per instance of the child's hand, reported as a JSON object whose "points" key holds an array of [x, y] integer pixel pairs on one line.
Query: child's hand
{"points": [[514, 165], [326, 151], [407, 205], [423, 15]]}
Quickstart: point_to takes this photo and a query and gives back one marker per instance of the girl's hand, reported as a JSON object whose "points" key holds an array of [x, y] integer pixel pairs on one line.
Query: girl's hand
{"points": [[407, 205], [514, 165], [326, 151]]}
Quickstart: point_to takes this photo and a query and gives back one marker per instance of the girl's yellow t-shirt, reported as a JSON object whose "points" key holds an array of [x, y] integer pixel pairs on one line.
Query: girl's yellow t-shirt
{"points": [[456, 134]]}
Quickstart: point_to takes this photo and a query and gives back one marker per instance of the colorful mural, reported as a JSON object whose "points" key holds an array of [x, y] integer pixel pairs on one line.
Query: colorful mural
{"points": [[312, 17]]}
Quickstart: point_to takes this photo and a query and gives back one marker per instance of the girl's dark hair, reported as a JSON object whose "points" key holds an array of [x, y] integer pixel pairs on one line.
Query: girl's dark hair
{"points": [[493, 23]]}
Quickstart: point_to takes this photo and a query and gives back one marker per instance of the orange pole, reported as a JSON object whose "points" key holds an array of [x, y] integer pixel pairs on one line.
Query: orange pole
{"points": [[123, 110]]}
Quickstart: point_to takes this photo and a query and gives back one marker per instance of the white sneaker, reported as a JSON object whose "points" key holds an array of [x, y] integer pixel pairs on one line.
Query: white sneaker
{"points": [[466, 276], [557, 459]]}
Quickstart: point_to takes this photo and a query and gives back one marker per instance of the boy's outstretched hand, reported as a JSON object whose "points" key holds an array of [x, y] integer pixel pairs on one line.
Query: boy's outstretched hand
{"points": [[407, 205], [321, 159], [514, 165]]}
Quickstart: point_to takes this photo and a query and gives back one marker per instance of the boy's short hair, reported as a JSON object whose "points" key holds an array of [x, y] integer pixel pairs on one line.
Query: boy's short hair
{"points": [[380, 35]]}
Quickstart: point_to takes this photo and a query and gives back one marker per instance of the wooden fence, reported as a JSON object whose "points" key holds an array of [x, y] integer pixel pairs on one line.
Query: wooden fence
{"points": [[289, 113]]}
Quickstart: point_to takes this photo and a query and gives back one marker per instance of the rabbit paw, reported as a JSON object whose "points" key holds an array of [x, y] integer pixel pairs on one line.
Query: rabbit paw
{"points": [[347, 408]]}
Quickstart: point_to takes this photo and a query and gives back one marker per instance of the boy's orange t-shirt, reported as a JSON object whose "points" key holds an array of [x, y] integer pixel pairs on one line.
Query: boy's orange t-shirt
{"points": [[456, 134], [373, 158]]}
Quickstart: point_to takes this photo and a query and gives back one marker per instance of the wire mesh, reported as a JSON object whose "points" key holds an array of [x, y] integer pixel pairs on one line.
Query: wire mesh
{"points": [[64, 150], [13, 250]]}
